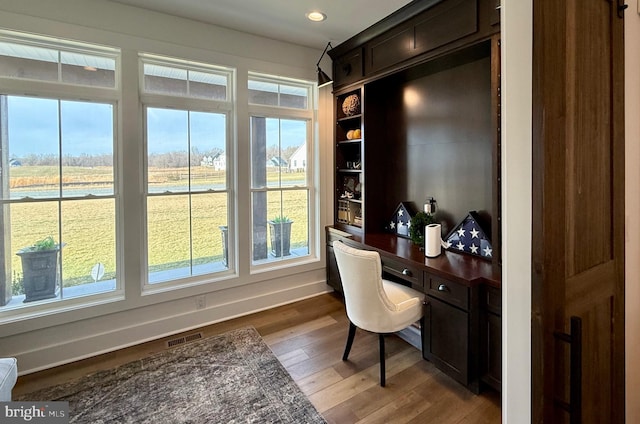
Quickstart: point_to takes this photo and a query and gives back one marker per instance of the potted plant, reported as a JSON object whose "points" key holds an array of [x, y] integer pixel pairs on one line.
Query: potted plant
{"points": [[280, 227], [40, 269], [416, 229]]}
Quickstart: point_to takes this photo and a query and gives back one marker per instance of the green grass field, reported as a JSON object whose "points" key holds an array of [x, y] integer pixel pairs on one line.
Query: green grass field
{"points": [[88, 228]]}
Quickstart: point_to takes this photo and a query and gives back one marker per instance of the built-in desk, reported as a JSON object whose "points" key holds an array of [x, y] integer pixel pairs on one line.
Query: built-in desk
{"points": [[462, 334]]}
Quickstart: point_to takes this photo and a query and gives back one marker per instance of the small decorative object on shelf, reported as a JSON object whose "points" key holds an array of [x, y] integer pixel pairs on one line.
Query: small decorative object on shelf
{"points": [[351, 105], [470, 237], [343, 211], [351, 187], [400, 222], [416, 228]]}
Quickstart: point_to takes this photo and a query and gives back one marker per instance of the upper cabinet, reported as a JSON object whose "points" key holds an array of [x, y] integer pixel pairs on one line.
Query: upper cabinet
{"points": [[417, 116], [416, 32]]}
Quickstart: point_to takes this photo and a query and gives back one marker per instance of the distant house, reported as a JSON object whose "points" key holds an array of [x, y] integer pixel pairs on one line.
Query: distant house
{"points": [[220, 162], [298, 160], [217, 162], [14, 162]]}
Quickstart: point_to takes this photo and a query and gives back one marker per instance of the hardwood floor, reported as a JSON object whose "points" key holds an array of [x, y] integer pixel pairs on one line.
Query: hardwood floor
{"points": [[308, 337]]}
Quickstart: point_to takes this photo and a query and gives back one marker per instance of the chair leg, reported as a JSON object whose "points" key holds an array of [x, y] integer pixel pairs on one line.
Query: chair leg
{"points": [[352, 334], [382, 366]]}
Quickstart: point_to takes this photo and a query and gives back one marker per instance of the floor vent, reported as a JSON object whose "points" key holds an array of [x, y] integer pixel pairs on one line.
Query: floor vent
{"points": [[184, 339]]}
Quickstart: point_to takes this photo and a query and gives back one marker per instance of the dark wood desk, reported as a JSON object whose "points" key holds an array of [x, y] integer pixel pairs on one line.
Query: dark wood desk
{"points": [[462, 334]]}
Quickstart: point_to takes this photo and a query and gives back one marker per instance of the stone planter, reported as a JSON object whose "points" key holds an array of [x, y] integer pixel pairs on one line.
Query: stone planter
{"points": [[39, 274], [280, 238]]}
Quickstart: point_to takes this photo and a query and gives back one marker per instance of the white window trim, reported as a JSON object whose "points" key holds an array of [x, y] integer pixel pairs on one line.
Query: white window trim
{"points": [[63, 91], [312, 180], [191, 104]]}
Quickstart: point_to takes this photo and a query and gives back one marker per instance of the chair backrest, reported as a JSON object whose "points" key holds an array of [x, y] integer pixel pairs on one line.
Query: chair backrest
{"points": [[367, 304]]}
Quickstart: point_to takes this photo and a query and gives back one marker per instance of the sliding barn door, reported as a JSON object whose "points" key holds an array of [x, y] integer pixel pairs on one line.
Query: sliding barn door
{"points": [[578, 212]]}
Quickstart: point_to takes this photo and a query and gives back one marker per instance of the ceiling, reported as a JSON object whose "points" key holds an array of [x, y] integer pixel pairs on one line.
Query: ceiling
{"points": [[281, 19]]}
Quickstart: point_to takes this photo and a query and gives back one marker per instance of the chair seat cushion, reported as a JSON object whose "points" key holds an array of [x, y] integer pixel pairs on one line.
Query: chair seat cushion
{"points": [[409, 307], [398, 293], [8, 377]]}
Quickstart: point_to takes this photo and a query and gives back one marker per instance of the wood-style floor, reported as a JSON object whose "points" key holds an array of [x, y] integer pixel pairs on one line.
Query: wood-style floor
{"points": [[308, 337]]}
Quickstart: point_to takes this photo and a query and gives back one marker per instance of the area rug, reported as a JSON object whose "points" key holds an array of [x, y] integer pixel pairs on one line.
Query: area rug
{"points": [[230, 378]]}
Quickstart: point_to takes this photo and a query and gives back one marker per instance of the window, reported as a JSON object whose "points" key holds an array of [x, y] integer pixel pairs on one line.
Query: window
{"points": [[266, 91], [57, 186], [35, 58], [187, 114], [281, 182]]}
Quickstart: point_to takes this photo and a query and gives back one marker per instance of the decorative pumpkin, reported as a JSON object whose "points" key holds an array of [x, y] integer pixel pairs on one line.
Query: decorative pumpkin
{"points": [[351, 105]]}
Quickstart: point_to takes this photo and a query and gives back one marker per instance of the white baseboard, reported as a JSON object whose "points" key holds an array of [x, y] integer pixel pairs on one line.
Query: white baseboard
{"points": [[70, 348]]}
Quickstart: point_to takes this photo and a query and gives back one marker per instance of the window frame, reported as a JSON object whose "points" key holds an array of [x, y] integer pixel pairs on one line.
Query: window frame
{"points": [[64, 91], [189, 104], [67, 46], [311, 179]]}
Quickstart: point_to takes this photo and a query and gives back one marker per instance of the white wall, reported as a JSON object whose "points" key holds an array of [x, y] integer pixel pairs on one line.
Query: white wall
{"points": [[632, 207], [517, 46], [50, 340]]}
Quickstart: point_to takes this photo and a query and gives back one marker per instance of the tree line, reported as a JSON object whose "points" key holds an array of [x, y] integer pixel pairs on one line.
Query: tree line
{"points": [[175, 159]]}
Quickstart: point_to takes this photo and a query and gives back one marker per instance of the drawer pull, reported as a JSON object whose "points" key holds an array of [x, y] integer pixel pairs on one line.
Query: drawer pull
{"points": [[407, 272], [443, 288]]}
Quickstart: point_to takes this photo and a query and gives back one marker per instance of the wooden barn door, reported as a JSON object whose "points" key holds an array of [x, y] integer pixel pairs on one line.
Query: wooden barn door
{"points": [[578, 212]]}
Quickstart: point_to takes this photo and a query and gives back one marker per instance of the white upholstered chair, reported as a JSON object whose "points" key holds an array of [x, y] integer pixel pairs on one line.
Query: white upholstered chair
{"points": [[373, 303], [8, 377]]}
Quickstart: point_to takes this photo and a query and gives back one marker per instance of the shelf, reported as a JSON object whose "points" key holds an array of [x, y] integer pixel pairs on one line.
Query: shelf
{"points": [[351, 200], [350, 118], [352, 141], [348, 155]]}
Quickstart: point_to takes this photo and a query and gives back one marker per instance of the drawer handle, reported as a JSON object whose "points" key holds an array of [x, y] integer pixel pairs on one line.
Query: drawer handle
{"points": [[443, 288], [407, 272]]}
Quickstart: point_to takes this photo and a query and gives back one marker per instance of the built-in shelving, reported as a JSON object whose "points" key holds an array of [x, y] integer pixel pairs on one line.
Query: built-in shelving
{"points": [[349, 176]]}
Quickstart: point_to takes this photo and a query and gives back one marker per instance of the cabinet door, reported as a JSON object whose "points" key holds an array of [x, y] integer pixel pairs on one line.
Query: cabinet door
{"points": [[333, 276], [446, 339], [492, 351]]}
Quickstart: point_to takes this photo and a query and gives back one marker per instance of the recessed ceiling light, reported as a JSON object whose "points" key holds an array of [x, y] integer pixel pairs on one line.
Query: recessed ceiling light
{"points": [[316, 16]]}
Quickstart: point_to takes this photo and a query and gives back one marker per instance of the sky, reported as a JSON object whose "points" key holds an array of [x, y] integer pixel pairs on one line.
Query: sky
{"points": [[87, 128]]}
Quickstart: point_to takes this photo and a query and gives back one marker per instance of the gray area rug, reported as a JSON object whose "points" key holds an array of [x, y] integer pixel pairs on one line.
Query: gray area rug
{"points": [[230, 378]]}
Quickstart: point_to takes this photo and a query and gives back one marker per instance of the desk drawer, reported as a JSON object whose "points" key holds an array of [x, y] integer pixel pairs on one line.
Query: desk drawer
{"points": [[451, 292], [408, 273]]}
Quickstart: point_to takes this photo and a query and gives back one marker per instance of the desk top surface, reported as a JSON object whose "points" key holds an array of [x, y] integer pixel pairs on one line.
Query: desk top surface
{"points": [[459, 266]]}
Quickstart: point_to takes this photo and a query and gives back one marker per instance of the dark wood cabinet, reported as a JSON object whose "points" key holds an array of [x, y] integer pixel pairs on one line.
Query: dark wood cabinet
{"points": [[333, 276], [491, 337], [348, 68], [420, 31], [445, 339], [349, 160], [453, 337], [426, 80]]}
